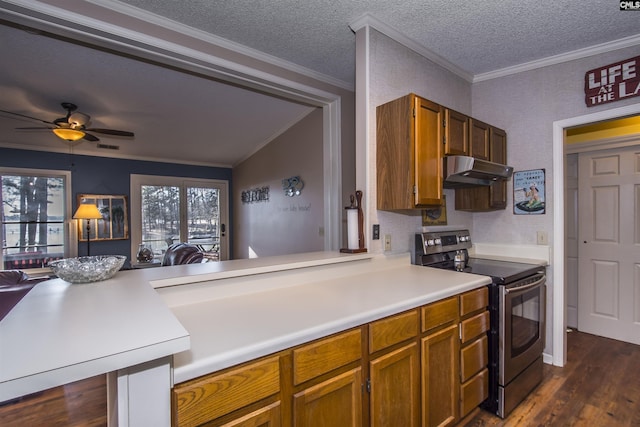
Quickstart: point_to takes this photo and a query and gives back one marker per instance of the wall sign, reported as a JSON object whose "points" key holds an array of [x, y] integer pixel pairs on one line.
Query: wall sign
{"points": [[528, 192], [255, 195], [612, 82]]}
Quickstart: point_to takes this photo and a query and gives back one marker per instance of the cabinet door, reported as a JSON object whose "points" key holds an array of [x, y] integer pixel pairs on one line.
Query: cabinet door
{"points": [[428, 153], [395, 392], [498, 191], [479, 139], [334, 402], [269, 416], [440, 377], [456, 133]]}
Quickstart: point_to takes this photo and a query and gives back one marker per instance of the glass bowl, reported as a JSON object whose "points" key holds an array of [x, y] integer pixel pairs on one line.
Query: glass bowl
{"points": [[87, 269]]}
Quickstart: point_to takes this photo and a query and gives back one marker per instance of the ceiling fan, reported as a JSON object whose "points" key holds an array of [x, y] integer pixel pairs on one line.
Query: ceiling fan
{"points": [[73, 127]]}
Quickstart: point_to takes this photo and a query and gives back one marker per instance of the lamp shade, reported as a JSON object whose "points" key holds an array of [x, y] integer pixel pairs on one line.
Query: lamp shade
{"points": [[87, 211], [69, 134]]}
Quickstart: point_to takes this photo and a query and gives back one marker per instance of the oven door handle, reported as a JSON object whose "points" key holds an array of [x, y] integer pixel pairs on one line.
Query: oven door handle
{"points": [[525, 287]]}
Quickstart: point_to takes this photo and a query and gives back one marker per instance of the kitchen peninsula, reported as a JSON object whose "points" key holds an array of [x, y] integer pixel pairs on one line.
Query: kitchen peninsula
{"points": [[208, 316]]}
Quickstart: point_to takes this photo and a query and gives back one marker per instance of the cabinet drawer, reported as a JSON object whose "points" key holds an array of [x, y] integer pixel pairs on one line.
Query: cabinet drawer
{"points": [[325, 355], [207, 398], [474, 326], [474, 358], [439, 313], [474, 392], [474, 300], [392, 330]]}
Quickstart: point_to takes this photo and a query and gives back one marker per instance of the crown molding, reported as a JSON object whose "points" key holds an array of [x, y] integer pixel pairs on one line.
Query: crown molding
{"points": [[561, 58], [371, 21]]}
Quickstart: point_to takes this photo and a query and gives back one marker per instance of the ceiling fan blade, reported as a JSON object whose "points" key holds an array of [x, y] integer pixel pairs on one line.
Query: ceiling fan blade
{"points": [[27, 117], [111, 132], [89, 137], [34, 128]]}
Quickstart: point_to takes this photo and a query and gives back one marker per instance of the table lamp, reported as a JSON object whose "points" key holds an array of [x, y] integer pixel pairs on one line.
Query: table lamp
{"points": [[88, 211]]}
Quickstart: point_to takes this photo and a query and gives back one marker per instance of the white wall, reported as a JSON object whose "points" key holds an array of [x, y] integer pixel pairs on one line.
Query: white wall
{"points": [[526, 105], [282, 225]]}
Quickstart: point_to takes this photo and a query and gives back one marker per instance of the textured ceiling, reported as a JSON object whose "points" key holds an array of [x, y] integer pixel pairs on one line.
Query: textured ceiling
{"points": [[477, 36], [183, 118]]}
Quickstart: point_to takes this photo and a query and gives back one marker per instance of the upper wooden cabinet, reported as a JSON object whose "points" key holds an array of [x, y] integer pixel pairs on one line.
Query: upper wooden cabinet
{"points": [[456, 133], [409, 153], [479, 139], [494, 197]]}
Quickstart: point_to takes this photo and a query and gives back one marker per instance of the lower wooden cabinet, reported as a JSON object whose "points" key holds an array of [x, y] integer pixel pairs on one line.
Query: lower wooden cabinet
{"points": [[423, 367], [440, 383], [395, 388], [334, 402], [474, 354]]}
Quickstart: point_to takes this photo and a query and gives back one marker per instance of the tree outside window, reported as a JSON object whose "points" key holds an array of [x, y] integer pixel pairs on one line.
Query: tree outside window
{"points": [[33, 220]]}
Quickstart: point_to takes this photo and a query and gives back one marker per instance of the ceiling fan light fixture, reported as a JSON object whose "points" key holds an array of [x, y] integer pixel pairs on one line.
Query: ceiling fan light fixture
{"points": [[69, 134]]}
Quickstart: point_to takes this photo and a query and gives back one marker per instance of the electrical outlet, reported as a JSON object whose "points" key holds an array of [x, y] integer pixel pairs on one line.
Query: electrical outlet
{"points": [[542, 238], [376, 231], [387, 242]]}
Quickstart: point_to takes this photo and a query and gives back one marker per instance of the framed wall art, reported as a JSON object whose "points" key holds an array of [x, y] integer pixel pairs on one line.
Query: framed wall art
{"points": [[114, 224], [529, 192], [436, 215]]}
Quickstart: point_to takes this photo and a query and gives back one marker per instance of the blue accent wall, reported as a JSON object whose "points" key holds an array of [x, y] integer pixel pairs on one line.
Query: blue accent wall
{"points": [[103, 175]]}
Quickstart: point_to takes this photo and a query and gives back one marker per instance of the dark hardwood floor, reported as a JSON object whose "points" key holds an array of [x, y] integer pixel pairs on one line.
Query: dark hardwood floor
{"points": [[599, 387]]}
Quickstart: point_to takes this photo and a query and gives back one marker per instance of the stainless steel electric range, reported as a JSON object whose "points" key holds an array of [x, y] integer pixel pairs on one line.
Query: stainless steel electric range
{"points": [[517, 312]]}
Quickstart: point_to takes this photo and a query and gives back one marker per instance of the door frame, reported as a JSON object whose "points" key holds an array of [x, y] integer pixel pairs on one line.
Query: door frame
{"points": [[559, 315]]}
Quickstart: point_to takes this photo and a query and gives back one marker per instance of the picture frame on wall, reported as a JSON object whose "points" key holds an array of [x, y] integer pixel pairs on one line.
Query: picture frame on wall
{"points": [[114, 224], [436, 215], [529, 192]]}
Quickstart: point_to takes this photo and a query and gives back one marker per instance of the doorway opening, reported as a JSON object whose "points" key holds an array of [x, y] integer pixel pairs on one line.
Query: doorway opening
{"points": [[559, 322]]}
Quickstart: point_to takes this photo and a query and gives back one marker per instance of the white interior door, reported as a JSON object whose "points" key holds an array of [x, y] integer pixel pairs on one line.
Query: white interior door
{"points": [[609, 249]]}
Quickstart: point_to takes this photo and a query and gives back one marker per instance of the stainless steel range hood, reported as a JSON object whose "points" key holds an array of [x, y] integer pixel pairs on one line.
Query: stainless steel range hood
{"points": [[465, 171]]}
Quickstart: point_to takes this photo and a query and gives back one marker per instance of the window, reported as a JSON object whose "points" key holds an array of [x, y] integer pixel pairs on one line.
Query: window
{"points": [[35, 217], [166, 210]]}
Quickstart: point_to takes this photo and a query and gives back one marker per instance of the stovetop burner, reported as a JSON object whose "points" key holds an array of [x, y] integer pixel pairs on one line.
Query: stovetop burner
{"points": [[438, 250]]}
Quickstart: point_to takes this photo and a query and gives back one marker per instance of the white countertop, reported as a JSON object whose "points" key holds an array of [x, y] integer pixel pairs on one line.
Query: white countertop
{"points": [[59, 333], [210, 316], [230, 328]]}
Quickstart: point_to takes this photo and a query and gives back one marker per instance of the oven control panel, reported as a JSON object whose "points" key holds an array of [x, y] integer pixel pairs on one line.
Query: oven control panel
{"points": [[442, 241]]}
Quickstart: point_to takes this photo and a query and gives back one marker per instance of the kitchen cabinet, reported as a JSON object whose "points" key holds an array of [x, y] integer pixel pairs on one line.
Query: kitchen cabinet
{"points": [[336, 400], [490, 198], [409, 154], [474, 356], [456, 133], [479, 135], [394, 383], [440, 363], [422, 367]]}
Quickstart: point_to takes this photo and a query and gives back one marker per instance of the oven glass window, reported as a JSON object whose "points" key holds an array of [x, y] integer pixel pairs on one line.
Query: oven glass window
{"points": [[525, 321]]}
